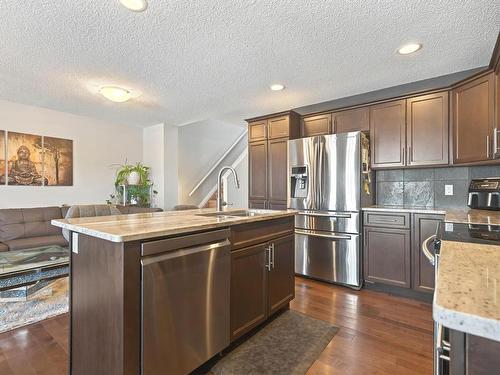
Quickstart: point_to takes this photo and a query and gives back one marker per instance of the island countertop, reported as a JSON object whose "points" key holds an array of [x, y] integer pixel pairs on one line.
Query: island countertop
{"points": [[467, 294], [124, 228]]}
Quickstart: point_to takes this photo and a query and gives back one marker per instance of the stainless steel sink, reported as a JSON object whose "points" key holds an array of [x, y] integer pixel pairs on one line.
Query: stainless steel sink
{"points": [[230, 214]]}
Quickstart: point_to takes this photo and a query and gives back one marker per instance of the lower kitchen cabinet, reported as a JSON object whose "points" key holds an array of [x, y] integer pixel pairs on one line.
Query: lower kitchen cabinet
{"points": [[248, 289], [262, 282], [423, 227], [281, 274], [393, 252], [387, 256]]}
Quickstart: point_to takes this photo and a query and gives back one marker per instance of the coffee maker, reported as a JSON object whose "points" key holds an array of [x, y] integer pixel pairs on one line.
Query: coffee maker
{"points": [[484, 193]]}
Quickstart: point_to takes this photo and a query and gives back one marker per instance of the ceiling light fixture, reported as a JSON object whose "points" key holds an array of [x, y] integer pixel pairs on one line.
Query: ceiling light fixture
{"points": [[135, 5], [115, 94], [409, 48], [277, 87]]}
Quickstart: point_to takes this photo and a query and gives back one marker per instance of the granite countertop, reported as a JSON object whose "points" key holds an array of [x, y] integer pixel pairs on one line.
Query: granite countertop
{"points": [[452, 215], [467, 296], [123, 228]]}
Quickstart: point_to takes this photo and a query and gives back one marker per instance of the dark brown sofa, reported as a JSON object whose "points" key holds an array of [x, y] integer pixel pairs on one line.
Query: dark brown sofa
{"points": [[24, 228]]}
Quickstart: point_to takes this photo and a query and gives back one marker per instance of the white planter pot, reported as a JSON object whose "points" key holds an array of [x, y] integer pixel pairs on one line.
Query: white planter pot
{"points": [[133, 178]]}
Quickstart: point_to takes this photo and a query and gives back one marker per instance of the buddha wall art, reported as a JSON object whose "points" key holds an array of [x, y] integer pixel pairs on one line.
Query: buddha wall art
{"points": [[34, 160]]}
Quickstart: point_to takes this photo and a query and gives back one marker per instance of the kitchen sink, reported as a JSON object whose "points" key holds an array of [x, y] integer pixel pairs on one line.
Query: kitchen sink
{"points": [[231, 214]]}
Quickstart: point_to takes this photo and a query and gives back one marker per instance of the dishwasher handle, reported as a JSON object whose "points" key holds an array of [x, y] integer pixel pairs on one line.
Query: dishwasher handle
{"points": [[184, 252]]}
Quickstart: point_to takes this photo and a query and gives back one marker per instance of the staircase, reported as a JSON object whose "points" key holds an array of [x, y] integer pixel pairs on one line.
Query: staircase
{"points": [[203, 194]]}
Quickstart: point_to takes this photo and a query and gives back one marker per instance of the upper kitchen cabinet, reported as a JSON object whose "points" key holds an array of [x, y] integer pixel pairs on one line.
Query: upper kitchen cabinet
{"points": [[387, 134], [316, 125], [473, 120], [257, 131], [427, 130], [351, 120], [267, 158]]}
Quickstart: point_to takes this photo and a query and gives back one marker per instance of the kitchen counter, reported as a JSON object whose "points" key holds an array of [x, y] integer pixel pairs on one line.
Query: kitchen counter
{"points": [[452, 215], [467, 296], [124, 228]]}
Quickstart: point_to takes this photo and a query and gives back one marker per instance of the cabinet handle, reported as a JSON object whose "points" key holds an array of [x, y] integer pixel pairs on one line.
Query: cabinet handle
{"points": [[495, 142], [487, 146], [268, 257], [409, 155], [272, 255], [403, 151]]}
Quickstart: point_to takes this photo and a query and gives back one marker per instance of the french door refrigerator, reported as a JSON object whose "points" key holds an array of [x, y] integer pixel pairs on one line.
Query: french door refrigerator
{"points": [[329, 181]]}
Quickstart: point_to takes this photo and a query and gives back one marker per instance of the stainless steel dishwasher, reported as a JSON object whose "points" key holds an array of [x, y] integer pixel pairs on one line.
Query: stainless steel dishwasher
{"points": [[185, 301]]}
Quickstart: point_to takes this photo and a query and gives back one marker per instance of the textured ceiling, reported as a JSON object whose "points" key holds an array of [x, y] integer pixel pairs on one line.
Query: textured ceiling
{"points": [[206, 59]]}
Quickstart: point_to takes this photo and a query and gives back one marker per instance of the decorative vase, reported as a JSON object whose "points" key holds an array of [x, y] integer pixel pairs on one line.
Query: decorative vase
{"points": [[133, 178]]}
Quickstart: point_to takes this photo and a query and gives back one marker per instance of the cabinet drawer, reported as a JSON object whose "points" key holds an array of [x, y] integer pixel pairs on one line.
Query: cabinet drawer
{"points": [[261, 231], [387, 220]]}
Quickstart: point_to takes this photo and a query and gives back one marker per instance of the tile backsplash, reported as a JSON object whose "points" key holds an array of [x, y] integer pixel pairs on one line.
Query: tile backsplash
{"points": [[425, 187]]}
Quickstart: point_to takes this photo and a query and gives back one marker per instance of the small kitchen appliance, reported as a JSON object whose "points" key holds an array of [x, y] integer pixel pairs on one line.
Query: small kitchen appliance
{"points": [[484, 193]]}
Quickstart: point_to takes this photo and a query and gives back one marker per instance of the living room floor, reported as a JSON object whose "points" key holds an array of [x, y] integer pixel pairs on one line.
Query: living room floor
{"points": [[379, 334]]}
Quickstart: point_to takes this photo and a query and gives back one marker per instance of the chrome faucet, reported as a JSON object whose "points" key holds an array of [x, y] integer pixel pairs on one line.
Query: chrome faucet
{"points": [[220, 202]]}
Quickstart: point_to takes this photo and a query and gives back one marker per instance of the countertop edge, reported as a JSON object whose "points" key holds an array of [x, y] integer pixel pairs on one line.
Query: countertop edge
{"points": [[167, 232], [423, 210], [465, 322]]}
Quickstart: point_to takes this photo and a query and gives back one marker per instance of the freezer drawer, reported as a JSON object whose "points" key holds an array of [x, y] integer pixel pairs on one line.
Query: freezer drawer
{"points": [[328, 256], [344, 222], [185, 306]]}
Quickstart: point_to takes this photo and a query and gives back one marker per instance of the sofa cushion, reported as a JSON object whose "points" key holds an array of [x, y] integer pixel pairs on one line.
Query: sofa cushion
{"points": [[3, 247], [31, 242], [16, 223]]}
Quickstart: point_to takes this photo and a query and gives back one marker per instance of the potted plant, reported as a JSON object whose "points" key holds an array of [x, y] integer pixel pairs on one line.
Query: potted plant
{"points": [[133, 180]]}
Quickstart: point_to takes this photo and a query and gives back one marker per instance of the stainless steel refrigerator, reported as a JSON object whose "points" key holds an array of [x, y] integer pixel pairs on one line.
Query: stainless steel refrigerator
{"points": [[329, 181]]}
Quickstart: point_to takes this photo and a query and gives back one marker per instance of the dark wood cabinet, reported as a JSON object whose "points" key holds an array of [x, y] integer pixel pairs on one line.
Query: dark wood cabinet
{"points": [[388, 134], [427, 130], [267, 159], [316, 125], [424, 226], [277, 170], [248, 289], [281, 274], [262, 272], [473, 120], [257, 167], [351, 120], [257, 131], [387, 256]]}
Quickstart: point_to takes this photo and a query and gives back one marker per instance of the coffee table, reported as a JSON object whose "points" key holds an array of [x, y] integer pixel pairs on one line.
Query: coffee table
{"points": [[24, 272]]}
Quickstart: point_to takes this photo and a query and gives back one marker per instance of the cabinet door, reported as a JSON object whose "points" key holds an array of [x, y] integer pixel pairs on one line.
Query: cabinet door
{"points": [[424, 226], [277, 169], [257, 179], [387, 256], [351, 120], [316, 125], [277, 205], [248, 289], [258, 204], [281, 275], [473, 116], [387, 134], [257, 131], [278, 127], [427, 129]]}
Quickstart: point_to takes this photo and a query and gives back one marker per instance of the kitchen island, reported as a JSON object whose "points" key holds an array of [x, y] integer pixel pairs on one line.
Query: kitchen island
{"points": [[164, 292]]}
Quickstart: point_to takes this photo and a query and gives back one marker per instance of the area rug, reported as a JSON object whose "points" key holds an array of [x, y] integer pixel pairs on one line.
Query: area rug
{"points": [[288, 345], [38, 307]]}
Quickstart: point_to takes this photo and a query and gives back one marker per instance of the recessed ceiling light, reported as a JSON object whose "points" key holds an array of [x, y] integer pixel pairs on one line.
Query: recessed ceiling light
{"points": [[277, 87], [409, 48], [135, 5], [115, 94]]}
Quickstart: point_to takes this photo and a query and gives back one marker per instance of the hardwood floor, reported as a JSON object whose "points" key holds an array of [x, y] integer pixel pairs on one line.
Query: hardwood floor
{"points": [[379, 334]]}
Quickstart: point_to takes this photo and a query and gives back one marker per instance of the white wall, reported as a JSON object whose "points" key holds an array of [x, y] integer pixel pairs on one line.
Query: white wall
{"points": [[171, 182], [97, 146], [153, 156]]}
